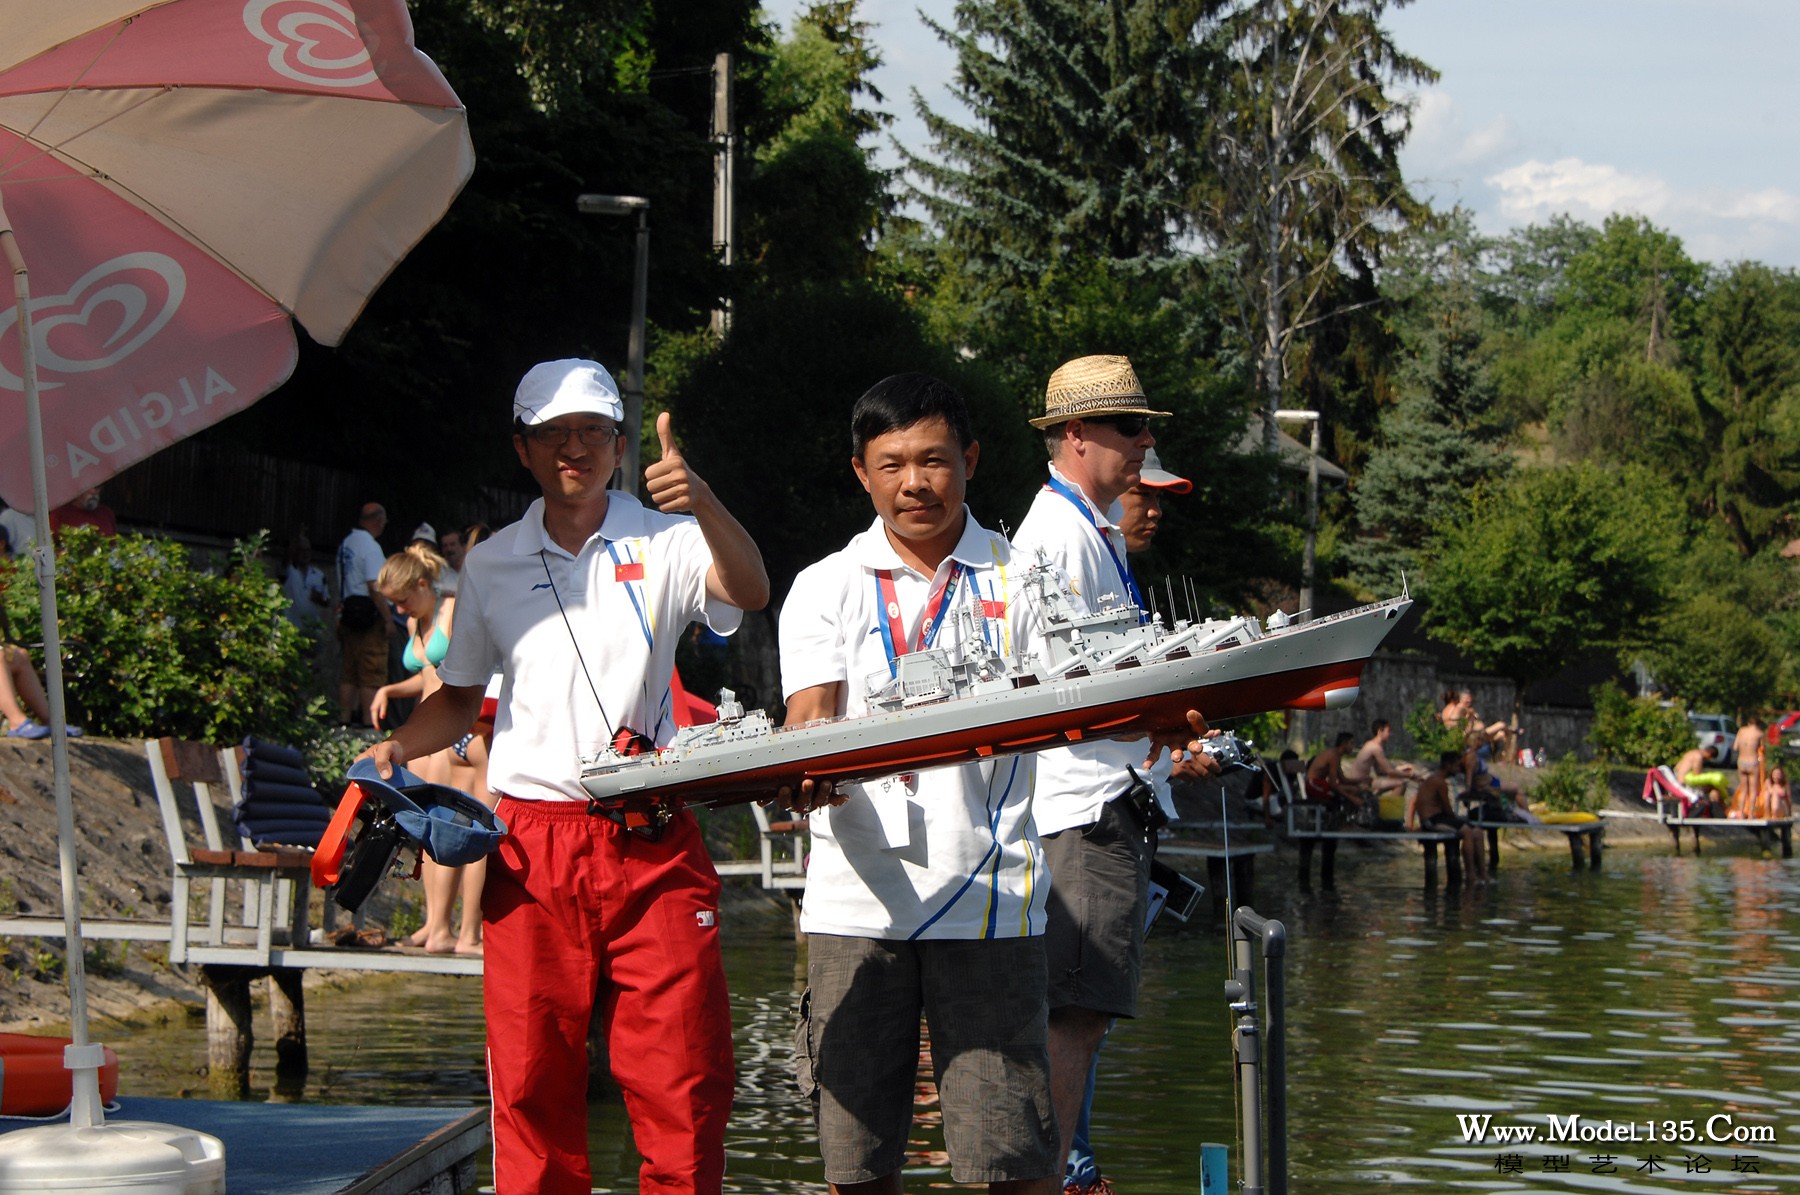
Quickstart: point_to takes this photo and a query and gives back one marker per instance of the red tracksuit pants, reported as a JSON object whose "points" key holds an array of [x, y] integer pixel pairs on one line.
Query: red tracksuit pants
{"points": [[578, 910]]}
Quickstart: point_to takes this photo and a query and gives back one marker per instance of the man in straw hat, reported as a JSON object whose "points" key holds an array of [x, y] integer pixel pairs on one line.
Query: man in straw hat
{"points": [[1094, 808], [1139, 521]]}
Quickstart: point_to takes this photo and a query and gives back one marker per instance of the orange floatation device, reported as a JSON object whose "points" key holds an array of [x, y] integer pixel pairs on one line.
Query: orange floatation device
{"points": [[34, 1081]]}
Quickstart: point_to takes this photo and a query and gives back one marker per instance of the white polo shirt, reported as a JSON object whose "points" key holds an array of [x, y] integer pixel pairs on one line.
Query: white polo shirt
{"points": [[359, 562], [1076, 782], [625, 600], [948, 852]]}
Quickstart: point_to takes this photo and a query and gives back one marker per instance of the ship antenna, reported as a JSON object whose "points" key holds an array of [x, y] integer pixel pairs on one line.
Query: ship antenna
{"points": [[1403, 590], [1154, 613], [1193, 599], [1173, 608]]}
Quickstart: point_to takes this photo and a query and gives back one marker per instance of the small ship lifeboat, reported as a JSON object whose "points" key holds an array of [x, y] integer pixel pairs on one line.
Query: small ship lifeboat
{"points": [[33, 1080]]}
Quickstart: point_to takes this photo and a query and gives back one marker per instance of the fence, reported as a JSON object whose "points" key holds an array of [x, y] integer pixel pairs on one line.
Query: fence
{"points": [[211, 490]]}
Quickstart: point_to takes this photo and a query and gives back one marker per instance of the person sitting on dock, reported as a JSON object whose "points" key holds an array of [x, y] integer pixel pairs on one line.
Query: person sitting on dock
{"points": [[579, 606], [926, 892], [1371, 769], [1493, 799], [1326, 782], [1459, 714], [1697, 771], [1429, 808], [1777, 799]]}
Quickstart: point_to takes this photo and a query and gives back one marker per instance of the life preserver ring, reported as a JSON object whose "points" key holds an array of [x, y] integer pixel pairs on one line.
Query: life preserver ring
{"points": [[33, 1080]]}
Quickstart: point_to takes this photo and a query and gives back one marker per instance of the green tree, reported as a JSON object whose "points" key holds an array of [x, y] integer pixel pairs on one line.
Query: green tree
{"points": [[1303, 175], [1441, 439], [813, 200], [1554, 566], [1745, 468], [1716, 654], [1081, 144]]}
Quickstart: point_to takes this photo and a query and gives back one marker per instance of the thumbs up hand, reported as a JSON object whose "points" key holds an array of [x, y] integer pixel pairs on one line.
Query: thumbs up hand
{"points": [[668, 482]]}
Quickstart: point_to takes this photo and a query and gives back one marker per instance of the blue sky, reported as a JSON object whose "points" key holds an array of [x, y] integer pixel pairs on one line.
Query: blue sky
{"points": [[1684, 111]]}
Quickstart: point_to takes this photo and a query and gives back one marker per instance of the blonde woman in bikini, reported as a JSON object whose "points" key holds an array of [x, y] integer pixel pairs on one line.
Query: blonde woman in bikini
{"points": [[409, 579]]}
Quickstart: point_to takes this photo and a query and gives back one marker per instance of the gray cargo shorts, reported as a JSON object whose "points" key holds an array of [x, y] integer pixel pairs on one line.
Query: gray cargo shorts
{"points": [[1099, 893], [856, 1054]]}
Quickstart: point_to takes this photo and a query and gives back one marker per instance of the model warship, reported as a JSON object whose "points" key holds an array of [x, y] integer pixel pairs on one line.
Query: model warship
{"points": [[1109, 674]]}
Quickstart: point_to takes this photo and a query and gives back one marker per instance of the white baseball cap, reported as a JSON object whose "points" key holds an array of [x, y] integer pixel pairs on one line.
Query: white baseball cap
{"points": [[573, 386], [1159, 478]]}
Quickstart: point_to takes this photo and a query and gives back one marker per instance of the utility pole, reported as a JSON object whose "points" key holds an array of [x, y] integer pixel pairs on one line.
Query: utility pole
{"points": [[630, 205], [724, 147]]}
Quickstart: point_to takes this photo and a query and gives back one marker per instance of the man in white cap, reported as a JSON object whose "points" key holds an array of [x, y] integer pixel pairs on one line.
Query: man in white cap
{"points": [[1140, 507], [1093, 803], [578, 606]]}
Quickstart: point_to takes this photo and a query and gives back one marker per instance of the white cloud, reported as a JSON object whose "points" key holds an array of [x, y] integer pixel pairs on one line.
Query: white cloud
{"points": [[1717, 224], [1441, 141]]}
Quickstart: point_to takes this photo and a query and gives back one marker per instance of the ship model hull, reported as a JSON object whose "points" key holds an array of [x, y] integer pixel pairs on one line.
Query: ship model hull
{"points": [[1312, 665]]}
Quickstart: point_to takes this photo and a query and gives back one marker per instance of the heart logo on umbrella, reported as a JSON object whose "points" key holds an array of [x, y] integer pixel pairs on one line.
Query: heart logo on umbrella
{"points": [[295, 30], [111, 290]]}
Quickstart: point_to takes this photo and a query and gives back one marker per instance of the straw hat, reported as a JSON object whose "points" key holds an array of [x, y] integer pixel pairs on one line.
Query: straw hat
{"points": [[1089, 386]]}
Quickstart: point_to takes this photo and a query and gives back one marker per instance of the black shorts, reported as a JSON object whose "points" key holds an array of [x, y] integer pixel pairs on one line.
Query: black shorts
{"points": [[1446, 820]]}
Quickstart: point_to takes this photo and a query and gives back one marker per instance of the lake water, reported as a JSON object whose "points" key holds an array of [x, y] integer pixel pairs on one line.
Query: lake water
{"points": [[1659, 989]]}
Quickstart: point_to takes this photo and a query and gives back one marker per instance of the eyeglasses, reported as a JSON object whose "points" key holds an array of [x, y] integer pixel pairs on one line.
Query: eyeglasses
{"points": [[552, 436], [1129, 426]]}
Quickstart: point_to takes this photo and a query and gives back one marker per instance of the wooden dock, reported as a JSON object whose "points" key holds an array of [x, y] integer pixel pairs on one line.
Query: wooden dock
{"points": [[326, 1149]]}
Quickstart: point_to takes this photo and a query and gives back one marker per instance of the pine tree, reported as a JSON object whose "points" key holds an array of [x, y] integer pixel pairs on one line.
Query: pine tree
{"points": [[1440, 440], [1081, 145], [1303, 177]]}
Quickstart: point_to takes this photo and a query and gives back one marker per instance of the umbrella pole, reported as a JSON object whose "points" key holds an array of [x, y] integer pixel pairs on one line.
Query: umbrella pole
{"points": [[82, 1057]]}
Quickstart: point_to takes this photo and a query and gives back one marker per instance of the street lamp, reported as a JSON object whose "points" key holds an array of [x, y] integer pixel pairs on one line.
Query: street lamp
{"points": [[1312, 509], [627, 205]]}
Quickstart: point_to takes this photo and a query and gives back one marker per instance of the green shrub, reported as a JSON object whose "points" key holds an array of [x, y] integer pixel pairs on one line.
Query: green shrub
{"points": [[329, 753], [1637, 731], [1570, 786], [154, 645], [1431, 738]]}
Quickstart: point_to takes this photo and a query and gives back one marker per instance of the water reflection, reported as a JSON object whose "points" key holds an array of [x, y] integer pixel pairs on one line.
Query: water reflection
{"points": [[1660, 989]]}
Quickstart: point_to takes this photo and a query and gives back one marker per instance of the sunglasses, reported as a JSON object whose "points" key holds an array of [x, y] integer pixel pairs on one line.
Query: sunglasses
{"points": [[1128, 426]]}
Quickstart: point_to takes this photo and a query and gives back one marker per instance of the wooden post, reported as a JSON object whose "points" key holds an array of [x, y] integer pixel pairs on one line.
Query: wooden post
{"points": [[1493, 849], [1575, 852], [1675, 833], [1787, 841], [1328, 863], [1429, 847], [287, 1010], [1696, 840], [1306, 854], [1215, 880], [1596, 843], [229, 1030]]}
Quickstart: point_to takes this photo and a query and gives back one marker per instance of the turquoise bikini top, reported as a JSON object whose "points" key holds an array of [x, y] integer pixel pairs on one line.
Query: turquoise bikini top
{"points": [[436, 648]]}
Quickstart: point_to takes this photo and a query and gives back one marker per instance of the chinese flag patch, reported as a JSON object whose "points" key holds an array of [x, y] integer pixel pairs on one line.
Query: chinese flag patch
{"points": [[631, 570], [992, 609]]}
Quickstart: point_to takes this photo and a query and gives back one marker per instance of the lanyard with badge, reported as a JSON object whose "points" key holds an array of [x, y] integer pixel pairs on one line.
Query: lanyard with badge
{"points": [[892, 808], [1059, 486], [893, 630]]}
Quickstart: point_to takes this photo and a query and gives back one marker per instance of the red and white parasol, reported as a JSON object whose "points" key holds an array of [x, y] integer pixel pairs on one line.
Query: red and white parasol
{"points": [[182, 178]]}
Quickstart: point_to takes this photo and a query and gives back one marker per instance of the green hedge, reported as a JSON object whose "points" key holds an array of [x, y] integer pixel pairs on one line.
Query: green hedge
{"points": [[155, 645], [1638, 731]]}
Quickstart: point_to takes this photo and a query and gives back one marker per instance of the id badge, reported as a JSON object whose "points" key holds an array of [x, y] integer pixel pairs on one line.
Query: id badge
{"points": [[893, 809]]}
